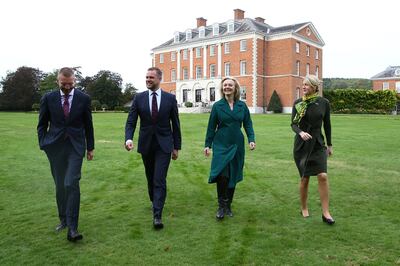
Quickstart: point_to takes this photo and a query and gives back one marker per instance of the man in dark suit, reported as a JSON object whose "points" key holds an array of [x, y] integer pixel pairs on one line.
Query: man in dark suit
{"points": [[65, 131], [159, 137]]}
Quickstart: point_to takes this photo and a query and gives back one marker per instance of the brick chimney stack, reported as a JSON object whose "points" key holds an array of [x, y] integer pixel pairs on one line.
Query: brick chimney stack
{"points": [[260, 19], [201, 22], [238, 14]]}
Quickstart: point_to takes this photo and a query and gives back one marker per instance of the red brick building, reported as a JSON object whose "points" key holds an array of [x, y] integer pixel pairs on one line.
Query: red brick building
{"points": [[389, 79], [261, 57]]}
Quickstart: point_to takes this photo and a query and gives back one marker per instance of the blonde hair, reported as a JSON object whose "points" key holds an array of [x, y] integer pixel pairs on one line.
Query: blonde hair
{"points": [[237, 88], [312, 81]]}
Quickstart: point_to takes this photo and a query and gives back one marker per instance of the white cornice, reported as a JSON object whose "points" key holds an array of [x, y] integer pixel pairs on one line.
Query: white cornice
{"points": [[389, 78], [314, 31]]}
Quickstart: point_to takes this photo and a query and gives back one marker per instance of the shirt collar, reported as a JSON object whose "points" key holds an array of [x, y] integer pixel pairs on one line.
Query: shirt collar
{"points": [[158, 91], [71, 93]]}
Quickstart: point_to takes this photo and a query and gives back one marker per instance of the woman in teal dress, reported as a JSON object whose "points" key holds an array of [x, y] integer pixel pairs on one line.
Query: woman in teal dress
{"points": [[310, 152], [225, 138]]}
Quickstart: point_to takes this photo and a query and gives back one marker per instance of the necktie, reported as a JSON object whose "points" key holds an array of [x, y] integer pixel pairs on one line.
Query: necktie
{"points": [[66, 105], [154, 108]]}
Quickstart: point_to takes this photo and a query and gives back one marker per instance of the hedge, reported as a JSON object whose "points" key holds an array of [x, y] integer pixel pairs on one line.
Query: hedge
{"points": [[361, 101]]}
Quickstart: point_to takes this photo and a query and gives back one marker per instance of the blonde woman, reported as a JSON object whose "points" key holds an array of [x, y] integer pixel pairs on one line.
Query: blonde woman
{"points": [[225, 137], [310, 152]]}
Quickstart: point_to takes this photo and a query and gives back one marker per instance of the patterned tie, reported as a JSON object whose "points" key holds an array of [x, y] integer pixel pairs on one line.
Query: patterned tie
{"points": [[66, 105], [154, 108]]}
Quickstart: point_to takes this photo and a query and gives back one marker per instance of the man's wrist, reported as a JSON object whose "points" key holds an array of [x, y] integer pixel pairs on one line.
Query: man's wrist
{"points": [[129, 141]]}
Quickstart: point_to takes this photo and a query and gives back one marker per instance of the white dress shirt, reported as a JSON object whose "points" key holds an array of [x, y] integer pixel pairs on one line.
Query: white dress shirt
{"points": [[71, 95], [158, 97]]}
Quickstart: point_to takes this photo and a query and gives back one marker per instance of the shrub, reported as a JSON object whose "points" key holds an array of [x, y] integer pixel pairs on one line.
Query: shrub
{"points": [[188, 104], [35, 107], [275, 104]]}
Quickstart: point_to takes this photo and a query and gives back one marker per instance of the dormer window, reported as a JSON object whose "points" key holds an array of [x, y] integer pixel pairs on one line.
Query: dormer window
{"points": [[231, 26], [202, 32], [176, 37], [215, 29], [188, 35]]}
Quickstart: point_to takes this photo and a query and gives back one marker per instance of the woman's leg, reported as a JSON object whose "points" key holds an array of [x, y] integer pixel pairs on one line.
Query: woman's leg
{"points": [[222, 189], [323, 188], [231, 192], [303, 195]]}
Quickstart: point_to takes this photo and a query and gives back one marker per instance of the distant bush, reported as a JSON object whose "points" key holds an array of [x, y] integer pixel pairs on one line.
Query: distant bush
{"points": [[188, 104], [275, 104], [360, 101], [35, 107]]}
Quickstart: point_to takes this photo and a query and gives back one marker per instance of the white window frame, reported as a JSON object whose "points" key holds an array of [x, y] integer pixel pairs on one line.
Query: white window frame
{"points": [[317, 71], [227, 48], [297, 47], [173, 56], [176, 37], [185, 54], [243, 67], [185, 73], [308, 69], [243, 93], [297, 68], [199, 72], [243, 45], [212, 71], [317, 54], [212, 50], [188, 35], [173, 74], [198, 52], [161, 58], [308, 50], [227, 69], [215, 28], [231, 27], [202, 32], [385, 86], [398, 86]]}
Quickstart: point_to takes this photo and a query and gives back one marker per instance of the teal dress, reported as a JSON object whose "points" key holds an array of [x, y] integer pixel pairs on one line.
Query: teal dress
{"points": [[225, 137]]}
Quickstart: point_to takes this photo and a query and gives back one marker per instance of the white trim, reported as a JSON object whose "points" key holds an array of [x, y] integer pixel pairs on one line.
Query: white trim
{"points": [[314, 30], [389, 78], [178, 65], [295, 36], [191, 63], [254, 70], [205, 61], [280, 76], [219, 66]]}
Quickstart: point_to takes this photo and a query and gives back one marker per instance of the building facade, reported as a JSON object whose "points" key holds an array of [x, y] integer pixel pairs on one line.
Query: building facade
{"points": [[261, 57], [389, 79]]}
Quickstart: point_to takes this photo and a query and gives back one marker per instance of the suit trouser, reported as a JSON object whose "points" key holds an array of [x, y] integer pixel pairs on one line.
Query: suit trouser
{"points": [[66, 164], [156, 163]]}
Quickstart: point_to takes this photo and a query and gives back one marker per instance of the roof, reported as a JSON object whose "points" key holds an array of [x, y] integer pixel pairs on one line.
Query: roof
{"points": [[389, 72], [246, 25]]}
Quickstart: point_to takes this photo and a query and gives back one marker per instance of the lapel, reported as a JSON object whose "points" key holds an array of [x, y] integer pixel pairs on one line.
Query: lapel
{"points": [[162, 99], [145, 100], [237, 108], [57, 99]]}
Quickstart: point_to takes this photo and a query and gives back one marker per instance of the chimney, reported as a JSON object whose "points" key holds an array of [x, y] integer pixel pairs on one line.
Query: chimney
{"points": [[260, 19], [239, 14], [201, 22]]}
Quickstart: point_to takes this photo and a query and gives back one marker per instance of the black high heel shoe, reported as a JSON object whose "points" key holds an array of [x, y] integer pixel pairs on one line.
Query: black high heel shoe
{"points": [[328, 221]]}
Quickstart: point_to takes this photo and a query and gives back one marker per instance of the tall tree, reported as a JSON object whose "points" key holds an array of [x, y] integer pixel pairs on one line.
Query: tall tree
{"points": [[20, 89], [128, 93], [106, 87], [49, 82]]}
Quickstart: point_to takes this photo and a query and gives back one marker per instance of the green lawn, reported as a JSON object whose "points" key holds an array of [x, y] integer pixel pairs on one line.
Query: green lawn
{"points": [[116, 220]]}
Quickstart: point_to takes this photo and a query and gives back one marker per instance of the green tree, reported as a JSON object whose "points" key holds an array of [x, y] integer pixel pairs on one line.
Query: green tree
{"points": [[128, 94], [20, 89], [275, 104], [48, 82], [106, 87], [95, 105]]}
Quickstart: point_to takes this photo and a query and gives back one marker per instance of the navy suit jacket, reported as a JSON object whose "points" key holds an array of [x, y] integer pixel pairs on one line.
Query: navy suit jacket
{"points": [[53, 127], [166, 129]]}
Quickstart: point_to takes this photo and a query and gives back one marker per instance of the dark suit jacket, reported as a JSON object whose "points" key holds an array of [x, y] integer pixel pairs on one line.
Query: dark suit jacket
{"points": [[53, 127], [166, 129]]}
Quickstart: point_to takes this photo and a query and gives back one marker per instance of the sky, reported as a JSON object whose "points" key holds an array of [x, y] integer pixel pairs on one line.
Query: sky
{"points": [[362, 38]]}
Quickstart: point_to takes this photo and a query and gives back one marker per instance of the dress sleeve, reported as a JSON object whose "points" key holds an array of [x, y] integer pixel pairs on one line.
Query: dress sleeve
{"points": [[327, 124], [211, 128], [294, 126], [248, 126]]}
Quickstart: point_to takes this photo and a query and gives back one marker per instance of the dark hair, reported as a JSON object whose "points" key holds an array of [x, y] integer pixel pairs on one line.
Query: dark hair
{"points": [[157, 70], [66, 72]]}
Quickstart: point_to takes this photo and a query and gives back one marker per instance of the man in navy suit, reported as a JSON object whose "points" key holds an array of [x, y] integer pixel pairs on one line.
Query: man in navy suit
{"points": [[65, 131], [159, 137]]}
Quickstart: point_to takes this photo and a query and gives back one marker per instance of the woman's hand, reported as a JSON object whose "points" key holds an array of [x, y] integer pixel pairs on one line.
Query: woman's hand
{"points": [[305, 136], [207, 151], [329, 150], [252, 145]]}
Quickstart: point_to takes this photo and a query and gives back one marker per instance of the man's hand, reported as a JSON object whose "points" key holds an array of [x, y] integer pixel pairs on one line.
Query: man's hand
{"points": [[207, 151], [174, 154], [90, 155], [129, 145]]}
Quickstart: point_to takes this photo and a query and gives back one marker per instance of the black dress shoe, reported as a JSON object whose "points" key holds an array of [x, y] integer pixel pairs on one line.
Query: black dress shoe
{"points": [[157, 223], [73, 235], [61, 227], [327, 220]]}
